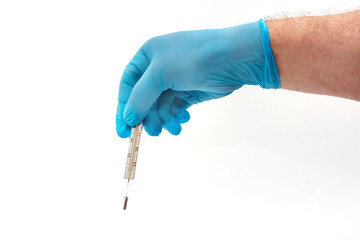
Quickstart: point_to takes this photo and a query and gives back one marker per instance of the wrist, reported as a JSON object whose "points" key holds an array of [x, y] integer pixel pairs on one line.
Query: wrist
{"points": [[271, 76], [252, 58]]}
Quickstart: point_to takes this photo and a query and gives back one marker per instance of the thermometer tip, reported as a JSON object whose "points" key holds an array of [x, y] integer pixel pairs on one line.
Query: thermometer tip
{"points": [[125, 202]]}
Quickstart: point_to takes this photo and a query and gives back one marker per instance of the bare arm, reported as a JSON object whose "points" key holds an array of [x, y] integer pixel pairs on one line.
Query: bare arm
{"points": [[318, 54]]}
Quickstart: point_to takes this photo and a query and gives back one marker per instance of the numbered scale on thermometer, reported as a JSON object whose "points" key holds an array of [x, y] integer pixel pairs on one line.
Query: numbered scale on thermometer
{"points": [[132, 158]]}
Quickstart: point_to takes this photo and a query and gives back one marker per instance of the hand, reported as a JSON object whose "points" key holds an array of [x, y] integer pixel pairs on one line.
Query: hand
{"points": [[169, 73]]}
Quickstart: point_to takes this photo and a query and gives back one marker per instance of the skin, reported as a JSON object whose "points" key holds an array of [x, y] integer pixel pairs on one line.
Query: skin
{"points": [[318, 54]]}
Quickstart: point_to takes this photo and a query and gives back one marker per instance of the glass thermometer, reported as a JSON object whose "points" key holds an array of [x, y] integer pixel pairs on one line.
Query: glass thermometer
{"points": [[132, 158]]}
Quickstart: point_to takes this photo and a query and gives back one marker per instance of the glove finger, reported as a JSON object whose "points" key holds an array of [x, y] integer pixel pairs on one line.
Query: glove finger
{"points": [[133, 71], [169, 121], [178, 109], [152, 122], [142, 97], [183, 116], [123, 130]]}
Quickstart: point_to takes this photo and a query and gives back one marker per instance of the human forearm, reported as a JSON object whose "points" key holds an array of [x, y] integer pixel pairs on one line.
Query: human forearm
{"points": [[169, 73], [318, 54]]}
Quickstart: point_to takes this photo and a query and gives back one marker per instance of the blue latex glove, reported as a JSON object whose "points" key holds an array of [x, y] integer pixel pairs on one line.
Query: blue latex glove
{"points": [[171, 72]]}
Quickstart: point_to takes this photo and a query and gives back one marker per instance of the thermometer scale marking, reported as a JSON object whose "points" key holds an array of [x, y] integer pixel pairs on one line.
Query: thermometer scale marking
{"points": [[133, 152]]}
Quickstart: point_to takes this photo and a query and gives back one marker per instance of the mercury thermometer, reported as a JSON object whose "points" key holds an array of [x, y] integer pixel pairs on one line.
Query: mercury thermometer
{"points": [[132, 158]]}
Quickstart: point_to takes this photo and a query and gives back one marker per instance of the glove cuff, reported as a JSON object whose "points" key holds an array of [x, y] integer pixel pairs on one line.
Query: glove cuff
{"points": [[271, 76]]}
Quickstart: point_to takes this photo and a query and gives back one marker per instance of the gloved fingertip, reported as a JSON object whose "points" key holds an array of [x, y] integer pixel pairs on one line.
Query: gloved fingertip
{"points": [[154, 132], [177, 132], [173, 126], [152, 124], [123, 131], [183, 116], [131, 118]]}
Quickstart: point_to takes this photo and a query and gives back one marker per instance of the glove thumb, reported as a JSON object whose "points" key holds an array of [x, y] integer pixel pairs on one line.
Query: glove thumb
{"points": [[142, 97]]}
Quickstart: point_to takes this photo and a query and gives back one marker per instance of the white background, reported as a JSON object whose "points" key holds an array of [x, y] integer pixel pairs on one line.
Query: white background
{"points": [[258, 164]]}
